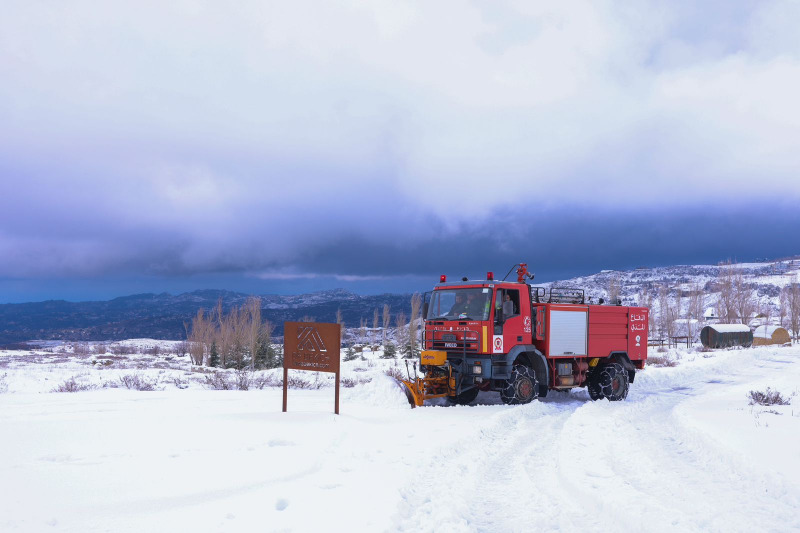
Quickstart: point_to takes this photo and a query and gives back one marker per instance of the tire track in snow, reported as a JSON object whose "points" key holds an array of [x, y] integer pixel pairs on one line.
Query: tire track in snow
{"points": [[473, 485], [567, 463]]}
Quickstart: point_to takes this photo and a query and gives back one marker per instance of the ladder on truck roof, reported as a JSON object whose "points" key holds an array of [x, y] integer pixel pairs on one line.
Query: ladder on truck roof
{"points": [[558, 295]]}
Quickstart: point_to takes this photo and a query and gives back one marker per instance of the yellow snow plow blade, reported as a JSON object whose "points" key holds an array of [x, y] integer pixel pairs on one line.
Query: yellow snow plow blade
{"points": [[420, 389]]}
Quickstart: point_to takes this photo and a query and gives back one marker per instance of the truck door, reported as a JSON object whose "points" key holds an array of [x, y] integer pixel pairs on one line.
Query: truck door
{"points": [[511, 330]]}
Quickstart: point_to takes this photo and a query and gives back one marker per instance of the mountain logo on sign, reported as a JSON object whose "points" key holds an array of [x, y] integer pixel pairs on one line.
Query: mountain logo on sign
{"points": [[309, 340]]}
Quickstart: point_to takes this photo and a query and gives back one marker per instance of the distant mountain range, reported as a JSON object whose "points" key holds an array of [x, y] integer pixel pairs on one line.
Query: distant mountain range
{"points": [[162, 316]]}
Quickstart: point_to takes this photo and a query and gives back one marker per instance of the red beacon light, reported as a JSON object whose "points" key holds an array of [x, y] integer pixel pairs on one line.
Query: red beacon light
{"points": [[490, 276], [442, 278]]}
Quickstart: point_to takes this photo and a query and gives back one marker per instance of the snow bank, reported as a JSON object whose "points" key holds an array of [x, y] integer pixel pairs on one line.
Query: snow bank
{"points": [[382, 391]]}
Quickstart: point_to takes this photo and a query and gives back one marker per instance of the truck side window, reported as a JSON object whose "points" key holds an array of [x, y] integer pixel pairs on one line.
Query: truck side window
{"points": [[510, 302]]}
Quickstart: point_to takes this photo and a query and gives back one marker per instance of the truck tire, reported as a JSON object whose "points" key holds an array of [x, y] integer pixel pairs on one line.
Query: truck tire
{"points": [[610, 381], [465, 398], [521, 388]]}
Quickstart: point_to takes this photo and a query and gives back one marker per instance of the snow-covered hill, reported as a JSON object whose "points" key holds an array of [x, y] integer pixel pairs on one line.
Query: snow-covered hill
{"points": [[765, 279]]}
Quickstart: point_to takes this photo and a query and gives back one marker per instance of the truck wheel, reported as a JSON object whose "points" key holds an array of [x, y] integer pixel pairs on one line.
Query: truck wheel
{"points": [[594, 388], [521, 388], [609, 381], [466, 397]]}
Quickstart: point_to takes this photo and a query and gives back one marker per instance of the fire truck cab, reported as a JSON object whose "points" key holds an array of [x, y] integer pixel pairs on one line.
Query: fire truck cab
{"points": [[523, 341]]}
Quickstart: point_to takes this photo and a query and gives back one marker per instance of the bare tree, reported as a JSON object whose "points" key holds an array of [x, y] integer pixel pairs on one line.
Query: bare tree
{"points": [[363, 330], [767, 311], [614, 289], [743, 297], [375, 325], [645, 299], [783, 307], [223, 337], [696, 307], [199, 337], [387, 318], [664, 311], [413, 326], [235, 330], [400, 336], [255, 329], [794, 308], [266, 341], [726, 301]]}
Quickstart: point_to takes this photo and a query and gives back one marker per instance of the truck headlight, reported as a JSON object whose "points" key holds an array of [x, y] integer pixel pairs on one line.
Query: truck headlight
{"points": [[477, 369]]}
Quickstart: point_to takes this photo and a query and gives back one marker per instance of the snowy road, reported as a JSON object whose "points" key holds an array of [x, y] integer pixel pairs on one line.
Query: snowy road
{"points": [[684, 452]]}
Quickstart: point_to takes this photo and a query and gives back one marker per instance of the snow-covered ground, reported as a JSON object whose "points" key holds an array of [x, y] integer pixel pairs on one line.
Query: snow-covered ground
{"points": [[684, 452]]}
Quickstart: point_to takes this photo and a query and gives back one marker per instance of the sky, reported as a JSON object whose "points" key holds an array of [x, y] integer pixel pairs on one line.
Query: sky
{"points": [[286, 147]]}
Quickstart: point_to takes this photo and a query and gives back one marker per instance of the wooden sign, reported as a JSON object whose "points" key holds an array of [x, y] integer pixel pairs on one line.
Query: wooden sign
{"points": [[311, 346]]}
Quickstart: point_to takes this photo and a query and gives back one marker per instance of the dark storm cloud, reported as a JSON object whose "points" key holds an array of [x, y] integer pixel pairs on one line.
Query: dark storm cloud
{"points": [[374, 140], [563, 243]]}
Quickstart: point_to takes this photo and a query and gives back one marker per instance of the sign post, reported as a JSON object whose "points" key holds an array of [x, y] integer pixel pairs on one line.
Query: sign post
{"points": [[311, 346]]}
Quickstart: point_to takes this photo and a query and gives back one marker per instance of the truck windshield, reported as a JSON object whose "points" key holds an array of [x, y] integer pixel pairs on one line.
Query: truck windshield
{"points": [[452, 304]]}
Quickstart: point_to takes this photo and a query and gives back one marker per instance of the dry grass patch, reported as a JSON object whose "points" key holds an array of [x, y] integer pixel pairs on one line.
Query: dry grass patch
{"points": [[138, 382], [661, 361], [767, 397], [72, 385]]}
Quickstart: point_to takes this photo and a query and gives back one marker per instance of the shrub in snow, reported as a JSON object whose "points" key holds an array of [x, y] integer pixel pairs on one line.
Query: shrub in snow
{"points": [[349, 383], [661, 360], [120, 349], [80, 348], [218, 381], [296, 382], [180, 382], [240, 380], [71, 385], [3, 384], [137, 382], [394, 372], [767, 397], [243, 380]]}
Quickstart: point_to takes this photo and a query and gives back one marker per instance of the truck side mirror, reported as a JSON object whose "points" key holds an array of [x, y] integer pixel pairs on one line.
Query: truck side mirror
{"points": [[498, 315]]}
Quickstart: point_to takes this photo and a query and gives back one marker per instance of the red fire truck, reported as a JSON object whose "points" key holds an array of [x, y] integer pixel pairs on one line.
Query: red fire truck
{"points": [[522, 341]]}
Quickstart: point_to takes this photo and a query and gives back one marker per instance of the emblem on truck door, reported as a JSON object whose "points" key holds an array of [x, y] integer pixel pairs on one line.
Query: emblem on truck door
{"points": [[498, 344], [527, 324]]}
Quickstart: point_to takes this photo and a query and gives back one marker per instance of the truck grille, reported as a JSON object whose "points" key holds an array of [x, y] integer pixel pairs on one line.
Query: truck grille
{"points": [[464, 341]]}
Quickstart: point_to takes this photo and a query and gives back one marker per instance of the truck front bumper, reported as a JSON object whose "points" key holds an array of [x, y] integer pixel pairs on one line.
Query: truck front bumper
{"points": [[473, 370]]}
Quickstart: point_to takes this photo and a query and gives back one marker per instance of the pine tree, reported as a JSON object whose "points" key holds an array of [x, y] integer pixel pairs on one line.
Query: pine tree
{"points": [[213, 356], [409, 349], [350, 354], [262, 355], [389, 351]]}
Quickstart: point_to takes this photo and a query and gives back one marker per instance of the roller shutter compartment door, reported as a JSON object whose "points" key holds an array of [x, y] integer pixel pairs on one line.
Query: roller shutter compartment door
{"points": [[568, 332]]}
